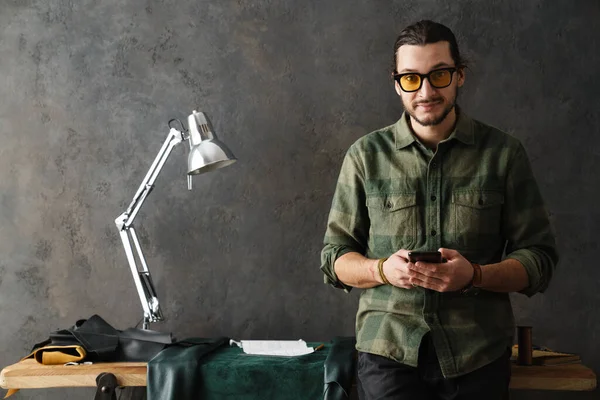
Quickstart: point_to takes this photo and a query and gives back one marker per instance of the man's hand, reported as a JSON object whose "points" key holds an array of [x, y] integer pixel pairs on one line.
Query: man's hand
{"points": [[454, 274], [396, 270]]}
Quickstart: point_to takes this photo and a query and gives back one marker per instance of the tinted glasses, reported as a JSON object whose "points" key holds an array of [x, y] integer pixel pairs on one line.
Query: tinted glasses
{"points": [[412, 81]]}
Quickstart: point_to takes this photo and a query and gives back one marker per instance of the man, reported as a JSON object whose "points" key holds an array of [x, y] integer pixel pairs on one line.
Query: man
{"points": [[436, 179]]}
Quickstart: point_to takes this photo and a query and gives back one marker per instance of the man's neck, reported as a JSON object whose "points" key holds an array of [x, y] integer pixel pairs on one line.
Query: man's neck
{"points": [[430, 136]]}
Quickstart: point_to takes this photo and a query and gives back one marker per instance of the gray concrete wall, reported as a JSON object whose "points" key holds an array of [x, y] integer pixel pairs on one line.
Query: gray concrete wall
{"points": [[87, 88]]}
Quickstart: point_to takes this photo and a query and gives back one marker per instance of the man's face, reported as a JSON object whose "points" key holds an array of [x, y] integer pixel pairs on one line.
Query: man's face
{"points": [[429, 105]]}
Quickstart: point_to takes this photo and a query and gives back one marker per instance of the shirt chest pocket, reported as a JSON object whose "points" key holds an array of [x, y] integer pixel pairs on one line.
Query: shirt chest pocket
{"points": [[476, 219], [393, 221]]}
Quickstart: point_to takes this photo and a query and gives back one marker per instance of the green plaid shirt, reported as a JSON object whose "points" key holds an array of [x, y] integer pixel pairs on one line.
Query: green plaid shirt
{"points": [[475, 194]]}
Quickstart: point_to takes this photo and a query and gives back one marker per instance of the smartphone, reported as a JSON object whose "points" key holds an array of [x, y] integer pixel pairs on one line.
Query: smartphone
{"points": [[425, 256]]}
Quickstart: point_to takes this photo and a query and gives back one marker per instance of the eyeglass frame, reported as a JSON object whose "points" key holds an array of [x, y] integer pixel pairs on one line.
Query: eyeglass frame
{"points": [[452, 70]]}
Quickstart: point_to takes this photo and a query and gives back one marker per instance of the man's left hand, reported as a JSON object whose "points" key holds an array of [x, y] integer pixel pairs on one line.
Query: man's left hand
{"points": [[454, 274]]}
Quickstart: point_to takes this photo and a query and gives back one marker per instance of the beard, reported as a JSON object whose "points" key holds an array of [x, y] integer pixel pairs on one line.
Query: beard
{"points": [[434, 119]]}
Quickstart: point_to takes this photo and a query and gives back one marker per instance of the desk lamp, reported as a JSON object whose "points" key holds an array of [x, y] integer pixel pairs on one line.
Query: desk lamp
{"points": [[207, 153]]}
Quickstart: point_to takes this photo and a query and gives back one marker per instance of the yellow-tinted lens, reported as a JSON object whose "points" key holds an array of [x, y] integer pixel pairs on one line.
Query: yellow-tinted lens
{"points": [[410, 82], [440, 78]]}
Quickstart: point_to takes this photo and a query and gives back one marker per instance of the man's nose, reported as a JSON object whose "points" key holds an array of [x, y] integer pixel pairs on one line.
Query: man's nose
{"points": [[426, 89]]}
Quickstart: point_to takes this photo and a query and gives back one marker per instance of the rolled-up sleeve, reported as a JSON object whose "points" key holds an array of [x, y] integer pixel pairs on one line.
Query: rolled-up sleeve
{"points": [[527, 228], [348, 222]]}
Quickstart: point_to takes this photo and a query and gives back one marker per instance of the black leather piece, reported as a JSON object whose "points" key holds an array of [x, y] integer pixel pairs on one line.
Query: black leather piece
{"points": [[141, 345], [340, 367], [180, 381], [102, 342], [334, 391], [99, 339]]}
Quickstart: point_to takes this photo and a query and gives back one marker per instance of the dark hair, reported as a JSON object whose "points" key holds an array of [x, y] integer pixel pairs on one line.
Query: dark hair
{"points": [[425, 32]]}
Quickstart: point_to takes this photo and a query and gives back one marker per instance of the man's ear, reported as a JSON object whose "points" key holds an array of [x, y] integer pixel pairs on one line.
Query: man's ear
{"points": [[398, 89], [396, 85], [461, 76]]}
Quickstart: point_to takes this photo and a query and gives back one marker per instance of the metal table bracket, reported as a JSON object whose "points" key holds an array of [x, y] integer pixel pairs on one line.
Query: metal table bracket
{"points": [[106, 384]]}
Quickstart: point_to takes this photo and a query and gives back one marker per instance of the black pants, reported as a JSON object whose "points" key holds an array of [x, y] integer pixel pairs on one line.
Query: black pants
{"points": [[380, 378]]}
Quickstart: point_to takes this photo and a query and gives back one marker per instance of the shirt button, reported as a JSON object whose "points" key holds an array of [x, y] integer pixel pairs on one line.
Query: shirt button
{"points": [[433, 164], [433, 232], [480, 202], [433, 198]]}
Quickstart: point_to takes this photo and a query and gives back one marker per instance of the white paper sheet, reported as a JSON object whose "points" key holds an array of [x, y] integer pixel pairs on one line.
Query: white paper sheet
{"points": [[288, 348]]}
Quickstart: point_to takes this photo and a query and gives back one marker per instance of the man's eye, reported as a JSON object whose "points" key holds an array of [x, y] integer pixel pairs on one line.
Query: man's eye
{"points": [[438, 74], [410, 78]]}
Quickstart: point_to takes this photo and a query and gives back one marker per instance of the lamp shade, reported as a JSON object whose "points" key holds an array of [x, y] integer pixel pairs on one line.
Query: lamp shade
{"points": [[207, 153]]}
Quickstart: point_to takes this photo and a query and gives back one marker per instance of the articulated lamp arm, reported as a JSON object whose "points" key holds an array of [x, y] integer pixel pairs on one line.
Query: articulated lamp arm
{"points": [[124, 222]]}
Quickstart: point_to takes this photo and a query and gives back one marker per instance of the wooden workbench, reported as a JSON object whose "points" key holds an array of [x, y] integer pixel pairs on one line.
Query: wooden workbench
{"points": [[30, 374]]}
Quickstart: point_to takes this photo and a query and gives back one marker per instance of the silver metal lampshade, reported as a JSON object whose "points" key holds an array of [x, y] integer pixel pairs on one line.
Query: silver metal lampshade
{"points": [[207, 153], [208, 156]]}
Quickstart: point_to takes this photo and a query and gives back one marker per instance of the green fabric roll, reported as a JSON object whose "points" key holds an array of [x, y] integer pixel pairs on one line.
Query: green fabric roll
{"points": [[201, 372], [231, 374]]}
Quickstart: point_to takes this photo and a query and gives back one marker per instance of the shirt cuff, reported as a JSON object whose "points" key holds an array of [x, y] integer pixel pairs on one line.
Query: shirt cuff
{"points": [[533, 265], [328, 256]]}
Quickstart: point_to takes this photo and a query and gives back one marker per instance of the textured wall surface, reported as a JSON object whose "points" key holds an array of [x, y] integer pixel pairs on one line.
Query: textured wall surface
{"points": [[87, 88]]}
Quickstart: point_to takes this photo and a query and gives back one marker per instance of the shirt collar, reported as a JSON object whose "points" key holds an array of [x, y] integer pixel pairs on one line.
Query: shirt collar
{"points": [[463, 131]]}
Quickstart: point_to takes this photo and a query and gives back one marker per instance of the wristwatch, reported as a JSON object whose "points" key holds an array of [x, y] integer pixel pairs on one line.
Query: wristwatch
{"points": [[473, 288]]}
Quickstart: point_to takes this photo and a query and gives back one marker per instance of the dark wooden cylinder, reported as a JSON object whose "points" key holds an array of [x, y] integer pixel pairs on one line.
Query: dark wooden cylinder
{"points": [[524, 338]]}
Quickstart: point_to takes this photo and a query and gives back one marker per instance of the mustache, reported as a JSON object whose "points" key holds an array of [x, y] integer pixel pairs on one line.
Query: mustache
{"points": [[428, 101]]}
